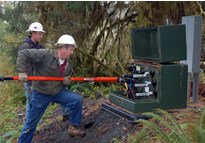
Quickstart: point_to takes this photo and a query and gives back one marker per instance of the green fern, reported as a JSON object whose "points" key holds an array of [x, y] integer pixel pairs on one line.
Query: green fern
{"points": [[174, 132], [148, 125], [196, 131], [174, 127], [168, 138]]}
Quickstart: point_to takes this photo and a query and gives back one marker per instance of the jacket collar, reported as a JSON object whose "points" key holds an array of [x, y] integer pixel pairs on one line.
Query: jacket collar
{"points": [[54, 53]]}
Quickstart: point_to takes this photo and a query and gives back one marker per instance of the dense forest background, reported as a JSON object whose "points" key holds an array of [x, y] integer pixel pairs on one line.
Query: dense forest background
{"points": [[101, 28]]}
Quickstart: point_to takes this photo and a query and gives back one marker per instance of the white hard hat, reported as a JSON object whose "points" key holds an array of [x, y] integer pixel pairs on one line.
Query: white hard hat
{"points": [[36, 26], [66, 39]]}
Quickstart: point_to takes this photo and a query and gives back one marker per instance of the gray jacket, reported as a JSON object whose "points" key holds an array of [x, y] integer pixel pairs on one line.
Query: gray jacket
{"points": [[46, 63]]}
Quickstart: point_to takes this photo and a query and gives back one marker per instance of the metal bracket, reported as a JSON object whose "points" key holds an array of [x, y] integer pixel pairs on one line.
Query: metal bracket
{"points": [[132, 118]]}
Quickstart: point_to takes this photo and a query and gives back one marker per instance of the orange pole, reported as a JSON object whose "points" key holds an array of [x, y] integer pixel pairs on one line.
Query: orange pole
{"points": [[95, 79]]}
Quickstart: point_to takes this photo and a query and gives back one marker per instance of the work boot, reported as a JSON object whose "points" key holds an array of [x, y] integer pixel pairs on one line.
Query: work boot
{"points": [[74, 131]]}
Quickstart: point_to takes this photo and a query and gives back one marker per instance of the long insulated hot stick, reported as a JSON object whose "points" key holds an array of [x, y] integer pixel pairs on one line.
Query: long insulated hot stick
{"points": [[45, 78]]}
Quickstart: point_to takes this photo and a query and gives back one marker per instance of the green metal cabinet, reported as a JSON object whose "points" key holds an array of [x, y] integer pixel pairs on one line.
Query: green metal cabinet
{"points": [[171, 89], [162, 44], [156, 50]]}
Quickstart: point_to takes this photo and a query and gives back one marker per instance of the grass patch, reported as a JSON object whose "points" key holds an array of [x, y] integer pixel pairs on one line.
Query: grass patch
{"points": [[12, 101], [9, 109]]}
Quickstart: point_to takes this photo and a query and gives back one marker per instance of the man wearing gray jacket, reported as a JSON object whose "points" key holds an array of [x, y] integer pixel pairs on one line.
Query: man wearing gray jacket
{"points": [[32, 41], [50, 63]]}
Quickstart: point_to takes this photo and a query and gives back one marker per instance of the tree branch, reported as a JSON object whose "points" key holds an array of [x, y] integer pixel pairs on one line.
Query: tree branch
{"points": [[97, 60]]}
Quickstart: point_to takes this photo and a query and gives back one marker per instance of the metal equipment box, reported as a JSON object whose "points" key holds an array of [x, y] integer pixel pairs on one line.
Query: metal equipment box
{"points": [[155, 79], [165, 43], [169, 90]]}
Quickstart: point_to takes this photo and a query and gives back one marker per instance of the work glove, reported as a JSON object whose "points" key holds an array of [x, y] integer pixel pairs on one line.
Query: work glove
{"points": [[66, 80], [23, 77]]}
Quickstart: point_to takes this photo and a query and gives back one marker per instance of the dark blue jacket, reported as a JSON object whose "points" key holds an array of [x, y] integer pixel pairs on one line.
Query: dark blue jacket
{"points": [[29, 44]]}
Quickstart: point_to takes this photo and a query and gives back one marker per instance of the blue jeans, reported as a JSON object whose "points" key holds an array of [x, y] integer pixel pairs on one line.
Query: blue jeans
{"points": [[27, 88], [28, 96], [38, 104]]}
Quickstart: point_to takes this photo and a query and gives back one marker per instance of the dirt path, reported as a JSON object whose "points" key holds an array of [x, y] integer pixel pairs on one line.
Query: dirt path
{"points": [[106, 128]]}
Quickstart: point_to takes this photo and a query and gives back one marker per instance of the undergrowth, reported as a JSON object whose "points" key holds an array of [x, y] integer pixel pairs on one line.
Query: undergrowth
{"points": [[163, 128], [12, 101]]}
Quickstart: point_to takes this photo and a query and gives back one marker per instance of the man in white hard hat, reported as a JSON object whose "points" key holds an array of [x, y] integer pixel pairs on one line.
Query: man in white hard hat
{"points": [[56, 64], [31, 42]]}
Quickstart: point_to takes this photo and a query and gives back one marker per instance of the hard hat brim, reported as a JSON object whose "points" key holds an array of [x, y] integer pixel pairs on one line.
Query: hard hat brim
{"points": [[61, 44], [57, 44], [35, 31]]}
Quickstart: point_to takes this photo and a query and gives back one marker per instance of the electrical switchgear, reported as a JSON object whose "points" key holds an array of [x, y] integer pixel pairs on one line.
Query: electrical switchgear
{"points": [[155, 78], [152, 86]]}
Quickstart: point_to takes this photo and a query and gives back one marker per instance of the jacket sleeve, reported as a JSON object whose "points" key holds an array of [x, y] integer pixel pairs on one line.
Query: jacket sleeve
{"points": [[24, 46], [33, 55]]}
